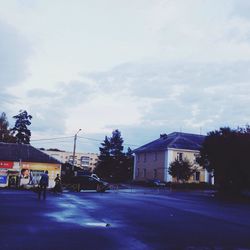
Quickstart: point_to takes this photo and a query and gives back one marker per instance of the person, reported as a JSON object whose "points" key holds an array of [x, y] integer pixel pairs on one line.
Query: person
{"points": [[58, 187], [43, 184]]}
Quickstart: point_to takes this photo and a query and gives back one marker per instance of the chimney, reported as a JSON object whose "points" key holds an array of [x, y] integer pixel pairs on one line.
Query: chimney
{"points": [[163, 136]]}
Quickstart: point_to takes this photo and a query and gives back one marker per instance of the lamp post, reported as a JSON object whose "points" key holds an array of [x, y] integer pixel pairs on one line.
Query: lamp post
{"points": [[74, 149]]}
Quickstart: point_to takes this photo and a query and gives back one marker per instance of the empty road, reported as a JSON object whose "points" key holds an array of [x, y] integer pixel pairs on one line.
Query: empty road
{"points": [[124, 219]]}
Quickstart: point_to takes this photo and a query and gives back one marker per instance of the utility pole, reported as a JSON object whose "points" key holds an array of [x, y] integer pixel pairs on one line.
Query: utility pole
{"points": [[74, 149]]}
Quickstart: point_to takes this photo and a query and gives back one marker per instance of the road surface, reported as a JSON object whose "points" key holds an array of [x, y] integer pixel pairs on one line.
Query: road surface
{"points": [[122, 219]]}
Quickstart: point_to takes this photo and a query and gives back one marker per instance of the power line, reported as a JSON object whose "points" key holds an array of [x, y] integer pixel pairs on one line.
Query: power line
{"points": [[55, 138], [81, 137], [53, 142], [92, 139]]}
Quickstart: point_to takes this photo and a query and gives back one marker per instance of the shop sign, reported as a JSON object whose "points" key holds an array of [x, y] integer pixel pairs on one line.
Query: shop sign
{"points": [[6, 164], [3, 179]]}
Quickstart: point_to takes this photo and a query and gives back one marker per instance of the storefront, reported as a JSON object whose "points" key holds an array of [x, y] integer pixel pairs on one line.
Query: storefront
{"points": [[7, 173], [21, 165], [30, 173]]}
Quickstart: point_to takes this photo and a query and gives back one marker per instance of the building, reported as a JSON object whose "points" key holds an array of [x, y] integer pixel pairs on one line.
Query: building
{"points": [[23, 165], [152, 160], [85, 161]]}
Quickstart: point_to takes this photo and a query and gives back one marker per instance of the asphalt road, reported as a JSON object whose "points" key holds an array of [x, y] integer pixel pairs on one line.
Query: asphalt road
{"points": [[123, 219]]}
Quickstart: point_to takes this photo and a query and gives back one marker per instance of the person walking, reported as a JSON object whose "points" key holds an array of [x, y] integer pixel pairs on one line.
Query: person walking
{"points": [[58, 186], [43, 184]]}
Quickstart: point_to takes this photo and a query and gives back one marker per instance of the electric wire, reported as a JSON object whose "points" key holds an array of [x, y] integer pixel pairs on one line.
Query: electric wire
{"points": [[55, 140]]}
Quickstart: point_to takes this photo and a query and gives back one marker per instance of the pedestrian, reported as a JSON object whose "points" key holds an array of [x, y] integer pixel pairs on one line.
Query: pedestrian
{"points": [[58, 186], [43, 184]]}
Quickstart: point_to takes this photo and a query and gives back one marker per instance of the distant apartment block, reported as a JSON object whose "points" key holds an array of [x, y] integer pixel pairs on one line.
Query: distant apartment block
{"points": [[86, 161]]}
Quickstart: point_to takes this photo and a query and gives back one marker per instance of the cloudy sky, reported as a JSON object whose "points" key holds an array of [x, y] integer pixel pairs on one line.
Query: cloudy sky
{"points": [[144, 67]]}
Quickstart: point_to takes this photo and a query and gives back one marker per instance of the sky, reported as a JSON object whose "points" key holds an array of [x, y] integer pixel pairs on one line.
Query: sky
{"points": [[145, 67]]}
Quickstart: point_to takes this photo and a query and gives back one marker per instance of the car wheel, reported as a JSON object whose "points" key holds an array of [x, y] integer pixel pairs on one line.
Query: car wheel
{"points": [[99, 188]]}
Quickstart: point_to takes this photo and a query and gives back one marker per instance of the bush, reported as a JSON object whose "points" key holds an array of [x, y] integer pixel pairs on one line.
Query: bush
{"points": [[191, 186]]}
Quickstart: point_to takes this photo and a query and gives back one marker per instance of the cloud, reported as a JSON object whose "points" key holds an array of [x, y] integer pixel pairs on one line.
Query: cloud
{"points": [[187, 67], [157, 97], [184, 95], [14, 53]]}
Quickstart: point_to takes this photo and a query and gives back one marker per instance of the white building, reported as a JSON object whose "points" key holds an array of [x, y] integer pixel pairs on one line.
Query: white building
{"points": [[86, 161]]}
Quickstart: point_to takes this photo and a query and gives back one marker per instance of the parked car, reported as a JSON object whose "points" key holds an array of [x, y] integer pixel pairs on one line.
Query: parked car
{"points": [[86, 182], [95, 176], [156, 183]]}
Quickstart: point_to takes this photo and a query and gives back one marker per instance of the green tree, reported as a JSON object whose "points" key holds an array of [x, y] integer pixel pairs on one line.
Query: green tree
{"points": [[181, 169], [20, 130], [104, 166], [226, 152], [5, 132], [113, 163], [129, 164]]}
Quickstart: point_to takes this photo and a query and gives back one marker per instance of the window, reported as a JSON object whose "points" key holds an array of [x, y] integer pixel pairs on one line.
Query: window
{"points": [[179, 156], [156, 156], [70, 160], [195, 157], [145, 157], [155, 173], [85, 161], [138, 157], [144, 172], [138, 172], [85, 158], [197, 176]]}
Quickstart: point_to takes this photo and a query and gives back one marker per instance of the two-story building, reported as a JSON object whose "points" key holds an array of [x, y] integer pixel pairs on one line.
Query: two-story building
{"points": [[153, 159]]}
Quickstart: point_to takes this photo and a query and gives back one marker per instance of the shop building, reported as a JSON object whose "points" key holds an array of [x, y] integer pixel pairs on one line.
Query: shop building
{"points": [[22, 165]]}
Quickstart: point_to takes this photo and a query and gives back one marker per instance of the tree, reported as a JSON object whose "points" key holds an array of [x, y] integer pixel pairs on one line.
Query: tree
{"points": [[5, 133], [181, 169], [226, 152], [104, 166], [113, 163], [20, 130], [129, 164]]}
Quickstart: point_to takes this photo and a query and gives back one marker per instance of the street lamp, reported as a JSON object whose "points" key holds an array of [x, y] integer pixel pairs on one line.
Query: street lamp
{"points": [[74, 149]]}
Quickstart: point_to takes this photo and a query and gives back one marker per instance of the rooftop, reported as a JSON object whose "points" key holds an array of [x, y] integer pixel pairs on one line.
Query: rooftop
{"points": [[25, 153], [176, 140]]}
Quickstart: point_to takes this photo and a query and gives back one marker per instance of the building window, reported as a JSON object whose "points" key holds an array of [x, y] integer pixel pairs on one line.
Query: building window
{"points": [[155, 173], [138, 172], [156, 156], [179, 156], [144, 172], [70, 160], [197, 176], [138, 157], [195, 158], [145, 157]]}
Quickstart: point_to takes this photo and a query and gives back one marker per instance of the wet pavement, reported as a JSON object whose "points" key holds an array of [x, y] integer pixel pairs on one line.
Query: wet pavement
{"points": [[133, 218]]}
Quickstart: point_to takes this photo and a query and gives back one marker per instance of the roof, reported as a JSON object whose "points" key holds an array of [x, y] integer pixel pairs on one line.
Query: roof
{"points": [[176, 140], [25, 153]]}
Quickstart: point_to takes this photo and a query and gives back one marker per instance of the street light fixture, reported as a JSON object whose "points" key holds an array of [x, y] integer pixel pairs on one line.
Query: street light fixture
{"points": [[74, 149]]}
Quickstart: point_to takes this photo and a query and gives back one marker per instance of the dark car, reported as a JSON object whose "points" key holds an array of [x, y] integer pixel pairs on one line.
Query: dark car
{"points": [[86, 182], [156, 183]]}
